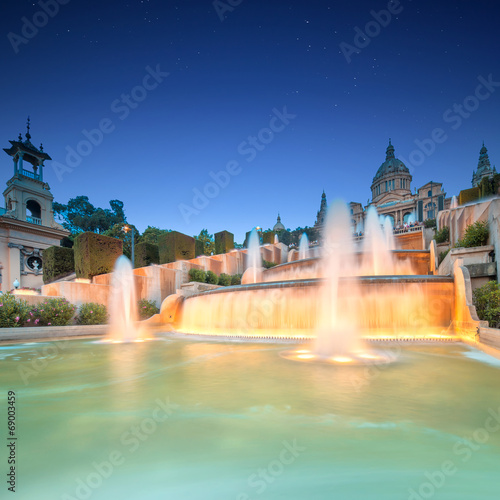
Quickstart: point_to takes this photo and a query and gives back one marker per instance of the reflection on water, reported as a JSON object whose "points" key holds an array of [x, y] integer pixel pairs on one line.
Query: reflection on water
{"points": [[368, 432]]}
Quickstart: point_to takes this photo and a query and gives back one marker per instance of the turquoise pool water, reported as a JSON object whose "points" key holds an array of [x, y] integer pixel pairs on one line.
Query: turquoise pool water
{"points": [[183, 419]]}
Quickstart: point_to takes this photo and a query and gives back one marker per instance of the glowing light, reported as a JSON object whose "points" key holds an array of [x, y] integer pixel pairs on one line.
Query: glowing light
{"points": [[82, 280], [25, 292], [303, 351], [305, 356], [342, 359]]}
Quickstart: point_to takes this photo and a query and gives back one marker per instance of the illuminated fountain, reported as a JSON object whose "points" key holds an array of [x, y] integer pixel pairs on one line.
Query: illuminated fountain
{"points": [[123, 303], [389, 299]]}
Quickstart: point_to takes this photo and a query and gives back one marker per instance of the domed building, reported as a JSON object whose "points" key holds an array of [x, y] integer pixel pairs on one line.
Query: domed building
{"points": [[278, 226], [392, 182], [391, 194]]}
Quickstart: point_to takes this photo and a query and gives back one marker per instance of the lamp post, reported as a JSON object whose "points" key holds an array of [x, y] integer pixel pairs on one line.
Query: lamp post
{"points": [[127, 229]]}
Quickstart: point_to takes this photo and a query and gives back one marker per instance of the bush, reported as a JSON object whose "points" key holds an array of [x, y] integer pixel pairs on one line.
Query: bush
{"points": [[95, 254], [476, 235], [198, 275], [52, 312], [442, 255], [13, 312], [224, 279], [268, 264], [92, 314], [57, 263], [442, 235], [147, 308], [145, 254], [212, 278], [430, 223], [487, 302], [236, 279]]}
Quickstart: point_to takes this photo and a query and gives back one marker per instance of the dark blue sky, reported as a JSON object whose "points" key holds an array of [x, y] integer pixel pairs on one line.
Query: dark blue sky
{"points": [[225, 79]]}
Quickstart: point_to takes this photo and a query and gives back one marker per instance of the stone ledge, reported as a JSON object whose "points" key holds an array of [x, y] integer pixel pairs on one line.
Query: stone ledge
{"points": [[50, 332]]}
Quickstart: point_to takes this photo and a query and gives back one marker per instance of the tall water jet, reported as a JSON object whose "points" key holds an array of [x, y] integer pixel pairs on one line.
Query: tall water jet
{"points": [[123, 303], [304, 247], [377, 258], [253, 271], [390, 241], [454, 202], [276, 239], [337, 332]]}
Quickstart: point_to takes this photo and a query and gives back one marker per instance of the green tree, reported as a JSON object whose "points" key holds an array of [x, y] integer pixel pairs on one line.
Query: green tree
{"points": [[79, 215], [207, 240], [118, 231], [151, 233]]}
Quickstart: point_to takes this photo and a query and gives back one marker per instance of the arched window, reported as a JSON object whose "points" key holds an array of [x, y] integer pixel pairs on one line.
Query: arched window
{"points": [[33, 212]]}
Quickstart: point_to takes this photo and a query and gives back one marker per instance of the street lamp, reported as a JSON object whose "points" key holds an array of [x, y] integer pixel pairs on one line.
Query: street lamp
{"points": [[127, 229]]}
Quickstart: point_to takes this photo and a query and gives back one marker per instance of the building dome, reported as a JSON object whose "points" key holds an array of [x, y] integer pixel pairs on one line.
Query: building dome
{"points": [[391, 165], [278, 226]]}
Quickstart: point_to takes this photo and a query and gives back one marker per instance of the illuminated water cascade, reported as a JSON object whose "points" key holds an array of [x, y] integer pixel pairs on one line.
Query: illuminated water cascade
{"points": [[303, 247], [454, 202], [123, 303], [337, 302]]}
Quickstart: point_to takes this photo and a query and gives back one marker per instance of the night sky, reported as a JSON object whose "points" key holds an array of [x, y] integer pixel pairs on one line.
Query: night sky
{"points": [[278, 94]]}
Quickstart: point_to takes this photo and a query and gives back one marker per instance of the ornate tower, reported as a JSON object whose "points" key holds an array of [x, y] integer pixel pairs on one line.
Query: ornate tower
{"points": [[321, 214], [484, 168], [27, 224]]}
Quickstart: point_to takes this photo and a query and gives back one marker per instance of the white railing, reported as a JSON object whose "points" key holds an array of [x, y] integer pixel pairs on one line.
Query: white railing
{"points": [[31, 175], [34, 220], [414, 229]]}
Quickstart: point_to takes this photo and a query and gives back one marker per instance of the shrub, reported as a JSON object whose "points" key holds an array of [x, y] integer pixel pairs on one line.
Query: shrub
{"points": [[487, 302], [476, 235], [95, 254], [430, 223], [224, 242], [268, 264], [174, 246], [92, 313], [442, 235], [442, 255], [57, 263], [52, 312], [224, 279], [211, 278], [145, 254], [147, 308], [468, 195], [236, 279], [197, 275], [13, 312]]}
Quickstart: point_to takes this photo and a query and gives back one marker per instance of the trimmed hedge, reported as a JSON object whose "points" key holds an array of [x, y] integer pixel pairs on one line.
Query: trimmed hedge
{"points": [[268, 237], [57, 263], [468, 195], [224, 242], [146, 254], [199, 248], [95, 254], [175, 246]]}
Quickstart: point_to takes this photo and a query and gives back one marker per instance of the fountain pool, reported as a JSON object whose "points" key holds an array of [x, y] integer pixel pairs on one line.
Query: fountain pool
{"points": [[188, 419]]}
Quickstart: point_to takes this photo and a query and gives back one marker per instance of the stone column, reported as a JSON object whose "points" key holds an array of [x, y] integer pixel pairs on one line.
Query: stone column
{"points": [[21, 162], [40, 168]]}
